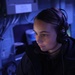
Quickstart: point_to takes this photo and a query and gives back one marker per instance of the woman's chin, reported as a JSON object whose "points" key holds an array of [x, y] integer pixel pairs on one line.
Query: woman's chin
{"points": [[43, 49]]}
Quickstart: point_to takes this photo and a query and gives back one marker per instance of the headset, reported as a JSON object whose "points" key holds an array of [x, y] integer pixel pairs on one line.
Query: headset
{"points": [[63, 25]]}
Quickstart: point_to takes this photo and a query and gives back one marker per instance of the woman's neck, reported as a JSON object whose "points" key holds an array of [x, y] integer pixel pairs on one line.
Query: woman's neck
{"points": [[56, 50]]}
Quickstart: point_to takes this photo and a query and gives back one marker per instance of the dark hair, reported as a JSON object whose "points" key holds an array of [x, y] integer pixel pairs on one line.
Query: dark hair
{"points": [[58, 19]]}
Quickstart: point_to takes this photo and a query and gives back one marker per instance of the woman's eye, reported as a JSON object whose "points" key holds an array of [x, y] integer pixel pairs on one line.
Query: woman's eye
{"points": [[43, 35]]}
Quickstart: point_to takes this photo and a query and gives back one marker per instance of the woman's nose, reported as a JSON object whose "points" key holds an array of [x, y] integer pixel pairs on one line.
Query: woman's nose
{"points": [[38, 39]]}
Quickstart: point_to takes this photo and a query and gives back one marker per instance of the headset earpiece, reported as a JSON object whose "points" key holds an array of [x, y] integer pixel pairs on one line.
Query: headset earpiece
{"points": [[62, 27]]}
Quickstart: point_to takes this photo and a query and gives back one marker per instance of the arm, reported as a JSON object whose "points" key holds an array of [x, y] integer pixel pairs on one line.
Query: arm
{"points": [[23, 66]]}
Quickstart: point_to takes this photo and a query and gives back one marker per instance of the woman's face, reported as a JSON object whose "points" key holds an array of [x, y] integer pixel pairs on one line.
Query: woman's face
{"points": [[45, 35]]}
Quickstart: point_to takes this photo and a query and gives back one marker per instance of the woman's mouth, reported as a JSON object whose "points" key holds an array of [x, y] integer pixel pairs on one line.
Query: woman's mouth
{"points": [[41, 45]]}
